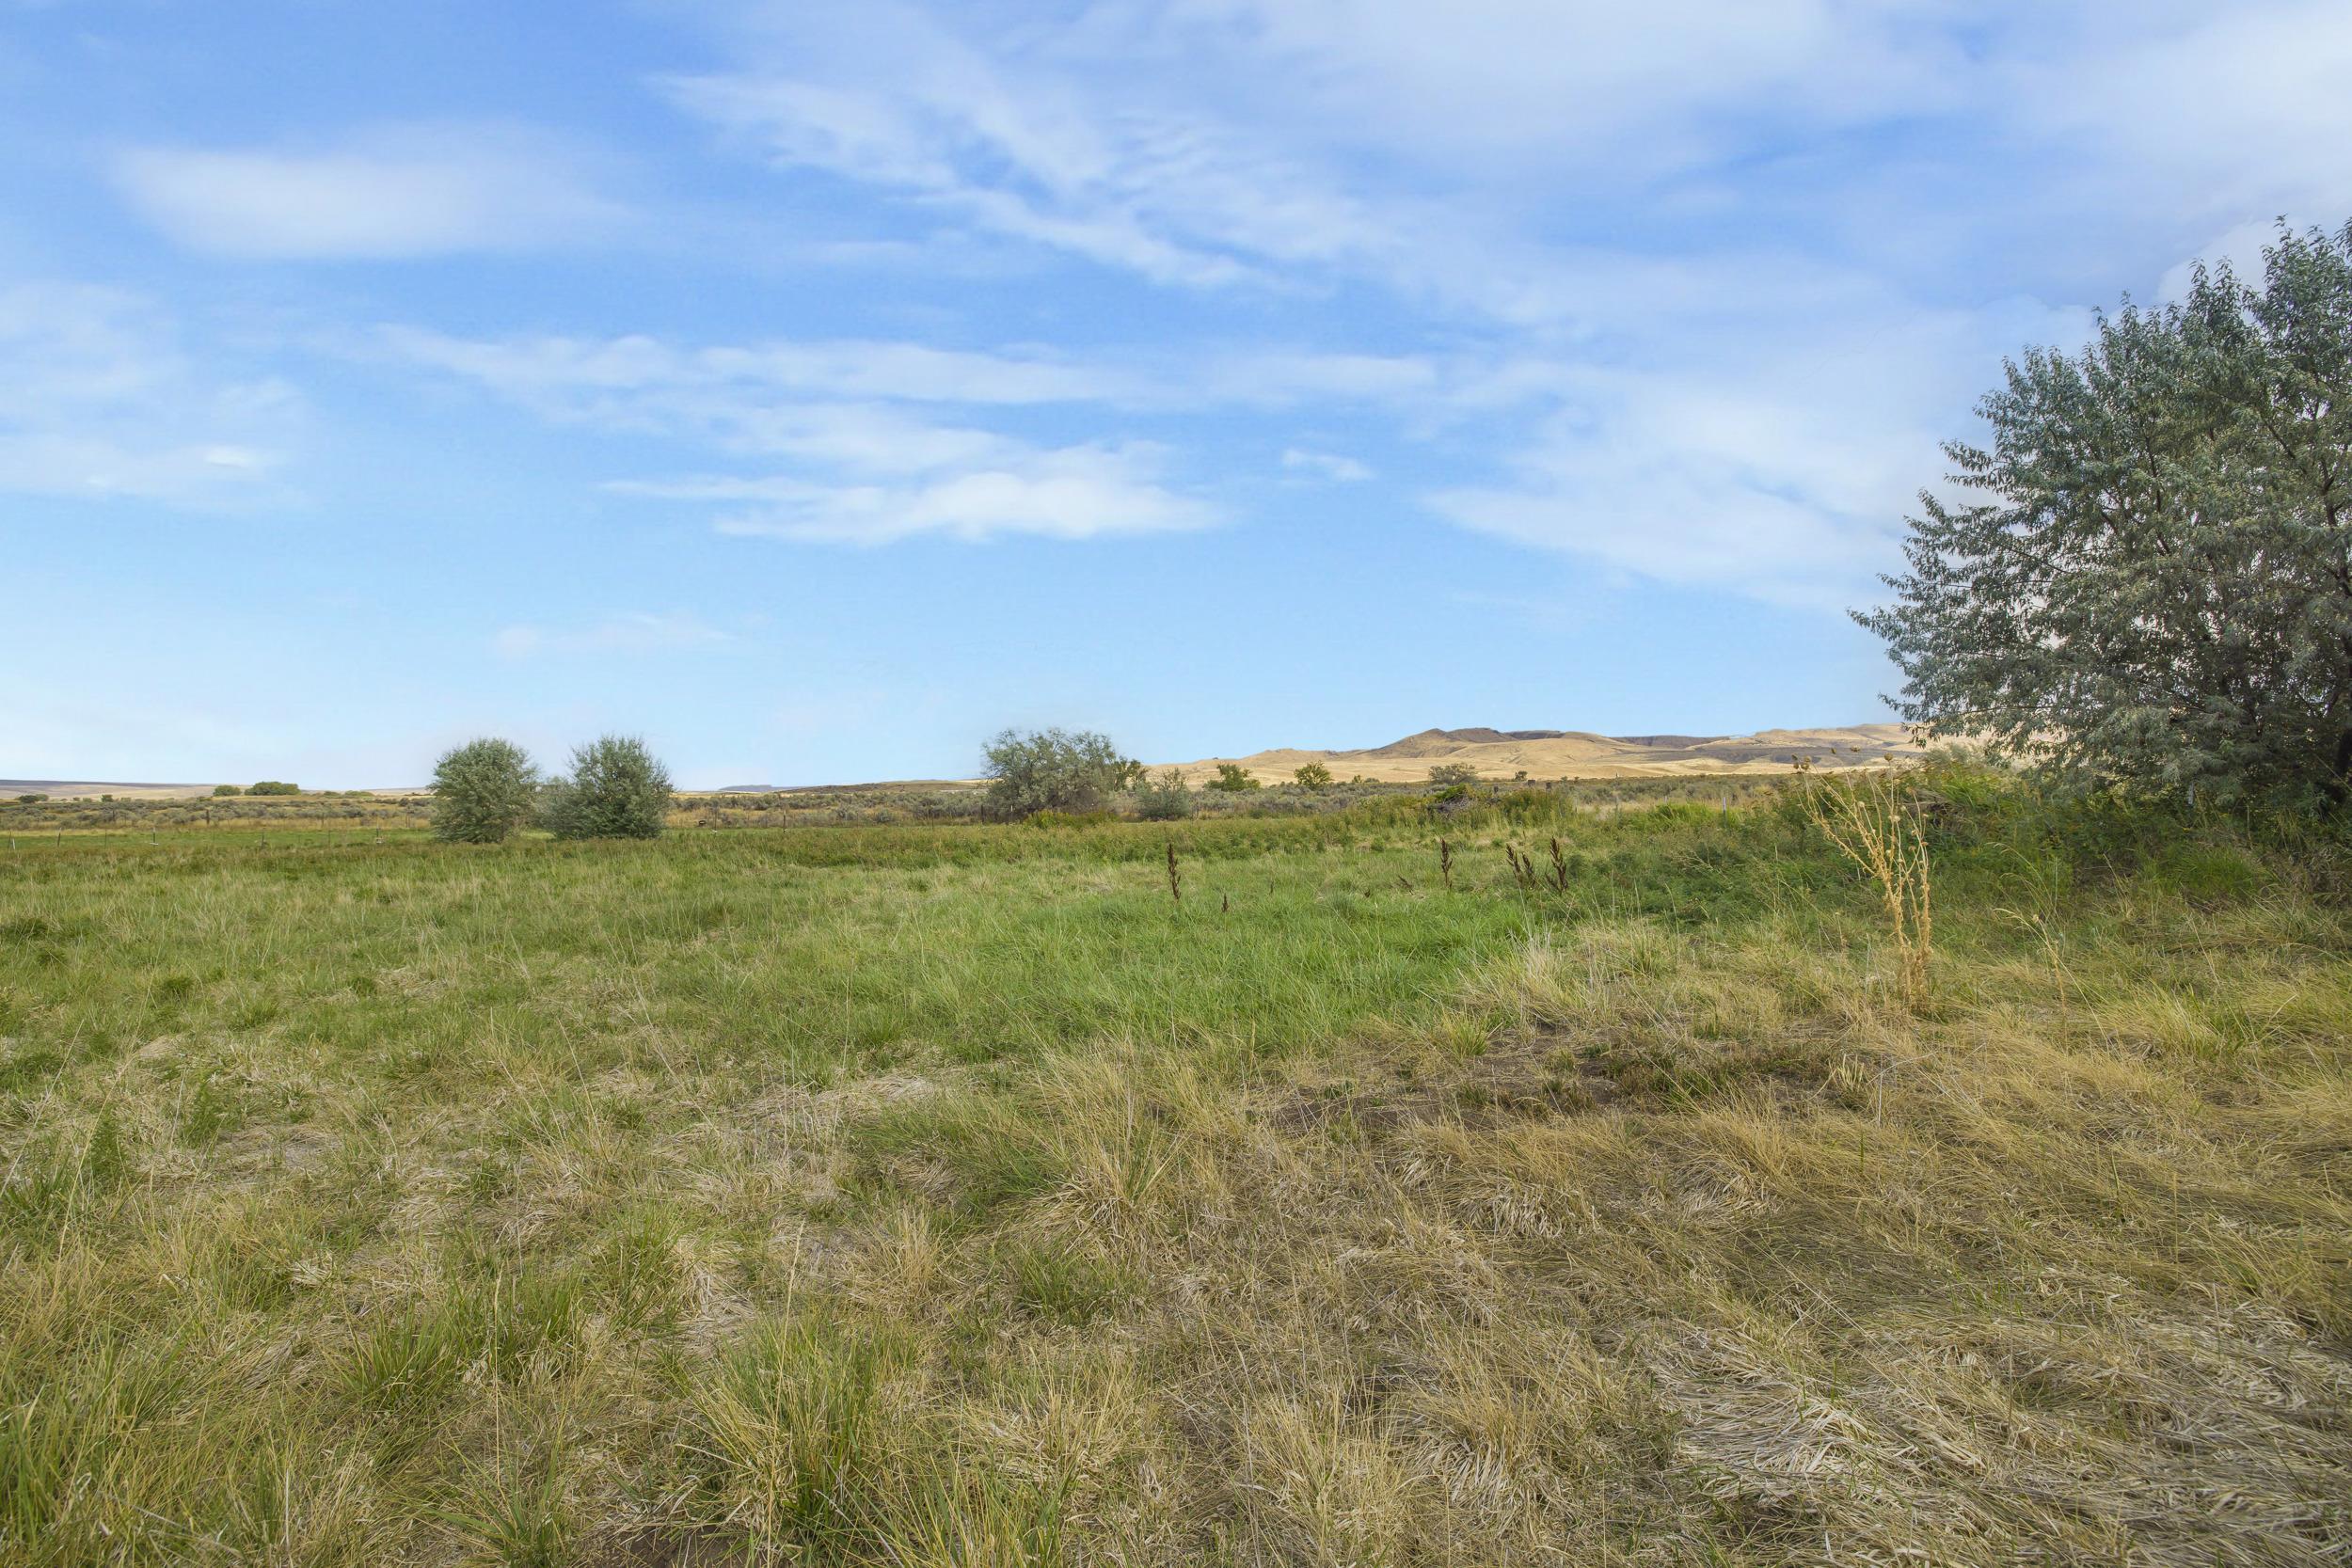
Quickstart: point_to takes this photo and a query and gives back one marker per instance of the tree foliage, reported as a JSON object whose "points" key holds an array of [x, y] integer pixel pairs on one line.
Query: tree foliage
{"points": [[615, 790], [1055, 769], [1232, 778], [274, 786], [1312, 775], [1454, 773], [2147, 582], [483, 791]]}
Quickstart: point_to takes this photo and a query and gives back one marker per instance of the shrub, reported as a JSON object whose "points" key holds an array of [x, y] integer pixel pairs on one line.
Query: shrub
{"points": [[1450, 773], [1054, 769], [616, 790], [274, 786], [483, 791], [30, 799], [1233, 778], [226, 790], [1166, 798], [1312, 775]]}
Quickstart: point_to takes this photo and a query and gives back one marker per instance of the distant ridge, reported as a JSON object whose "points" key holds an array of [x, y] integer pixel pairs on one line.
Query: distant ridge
{"points": [[1582, 753], [75, 789]]}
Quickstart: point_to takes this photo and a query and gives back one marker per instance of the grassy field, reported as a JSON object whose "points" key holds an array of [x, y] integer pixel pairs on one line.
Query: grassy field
{"points": [[949, 1194]]}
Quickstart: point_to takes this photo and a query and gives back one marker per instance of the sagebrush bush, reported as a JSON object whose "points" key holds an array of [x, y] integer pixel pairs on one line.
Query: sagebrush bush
{"points": [[483, 791], [1054, 769], [615, 790], [1166, 798]]}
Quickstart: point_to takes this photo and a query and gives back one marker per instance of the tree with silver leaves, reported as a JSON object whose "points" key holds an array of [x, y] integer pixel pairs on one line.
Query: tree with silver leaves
{"points": [[2147, 583], [483, 791]]}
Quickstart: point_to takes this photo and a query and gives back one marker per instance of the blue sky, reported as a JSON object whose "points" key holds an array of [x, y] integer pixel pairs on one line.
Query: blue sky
{"points": [[815, 388]]}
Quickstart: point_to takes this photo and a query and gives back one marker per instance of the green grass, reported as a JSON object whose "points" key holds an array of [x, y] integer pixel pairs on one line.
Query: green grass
{"points": [[946, 1193]]}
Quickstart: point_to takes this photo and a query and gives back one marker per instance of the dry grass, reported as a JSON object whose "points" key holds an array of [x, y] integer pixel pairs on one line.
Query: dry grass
{"points": [[1641, 1240]]}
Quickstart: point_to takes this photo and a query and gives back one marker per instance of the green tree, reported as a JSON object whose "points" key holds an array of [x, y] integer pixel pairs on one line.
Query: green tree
{"points": [[1312, 775], [615, 790], [1054, 769], [274, 786], [483, 791], [1454, 773], [2147, 579], [1233, 778], [227, 789]]}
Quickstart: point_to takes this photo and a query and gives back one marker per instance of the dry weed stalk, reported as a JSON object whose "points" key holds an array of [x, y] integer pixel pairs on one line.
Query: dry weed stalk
{"points": [[1175, 878], [1869, 820]]}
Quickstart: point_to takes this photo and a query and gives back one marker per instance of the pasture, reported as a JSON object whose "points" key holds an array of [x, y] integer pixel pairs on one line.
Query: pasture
{"points": [[939, 1193]]}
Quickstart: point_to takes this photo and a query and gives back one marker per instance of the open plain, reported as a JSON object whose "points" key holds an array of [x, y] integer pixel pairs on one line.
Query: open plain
{"points": [[958, 1193]]}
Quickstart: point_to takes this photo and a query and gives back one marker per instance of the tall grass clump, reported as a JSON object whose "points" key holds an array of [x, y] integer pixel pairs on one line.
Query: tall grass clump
{"points": [[1873, 822]]}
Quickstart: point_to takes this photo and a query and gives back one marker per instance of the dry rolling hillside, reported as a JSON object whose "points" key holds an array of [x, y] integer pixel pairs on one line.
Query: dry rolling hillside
{"points": [[1579, 755]]}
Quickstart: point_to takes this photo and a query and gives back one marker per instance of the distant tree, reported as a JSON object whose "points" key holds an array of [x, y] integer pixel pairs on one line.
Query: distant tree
{"points": [[1166, 798], [1454, 773], [483, 791], [2148, 580], [273, 786], [615, 790], [30, 799], [1312, 775], [1054, 769], [227, 789], [1233, 778]]}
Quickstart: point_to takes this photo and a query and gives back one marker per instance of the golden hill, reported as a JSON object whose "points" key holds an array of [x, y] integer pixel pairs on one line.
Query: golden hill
{"points": [[1579, 755]]}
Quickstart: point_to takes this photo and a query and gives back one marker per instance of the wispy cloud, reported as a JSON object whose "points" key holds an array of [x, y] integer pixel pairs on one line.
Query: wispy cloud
{"points": [[633, 633], [873, 458], [1326, 465], [393, 193], [1065, 493], [99, 399]]}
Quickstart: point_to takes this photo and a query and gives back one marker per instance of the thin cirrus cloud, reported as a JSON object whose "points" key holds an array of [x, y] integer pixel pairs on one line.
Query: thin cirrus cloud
{"points": [[1084, 492], [100, 398], [892, 440], [633, 633], [1772, 175], [1333, 465], [390, 194], [872, 461]]}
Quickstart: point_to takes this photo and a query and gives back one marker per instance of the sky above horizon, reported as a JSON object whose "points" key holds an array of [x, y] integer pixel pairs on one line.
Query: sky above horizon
{"points": [[815, 388]]}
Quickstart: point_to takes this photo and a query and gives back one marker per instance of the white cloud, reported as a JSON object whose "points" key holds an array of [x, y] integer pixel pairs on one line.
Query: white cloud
{"points": [[394, 192], [872, 462], [1786, 479], [1329, 465], [1069, 493], [634, 632], [98, 399]]}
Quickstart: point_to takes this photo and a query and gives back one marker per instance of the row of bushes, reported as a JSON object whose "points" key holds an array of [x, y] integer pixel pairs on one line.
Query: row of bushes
{"points": [[486, 789]]}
